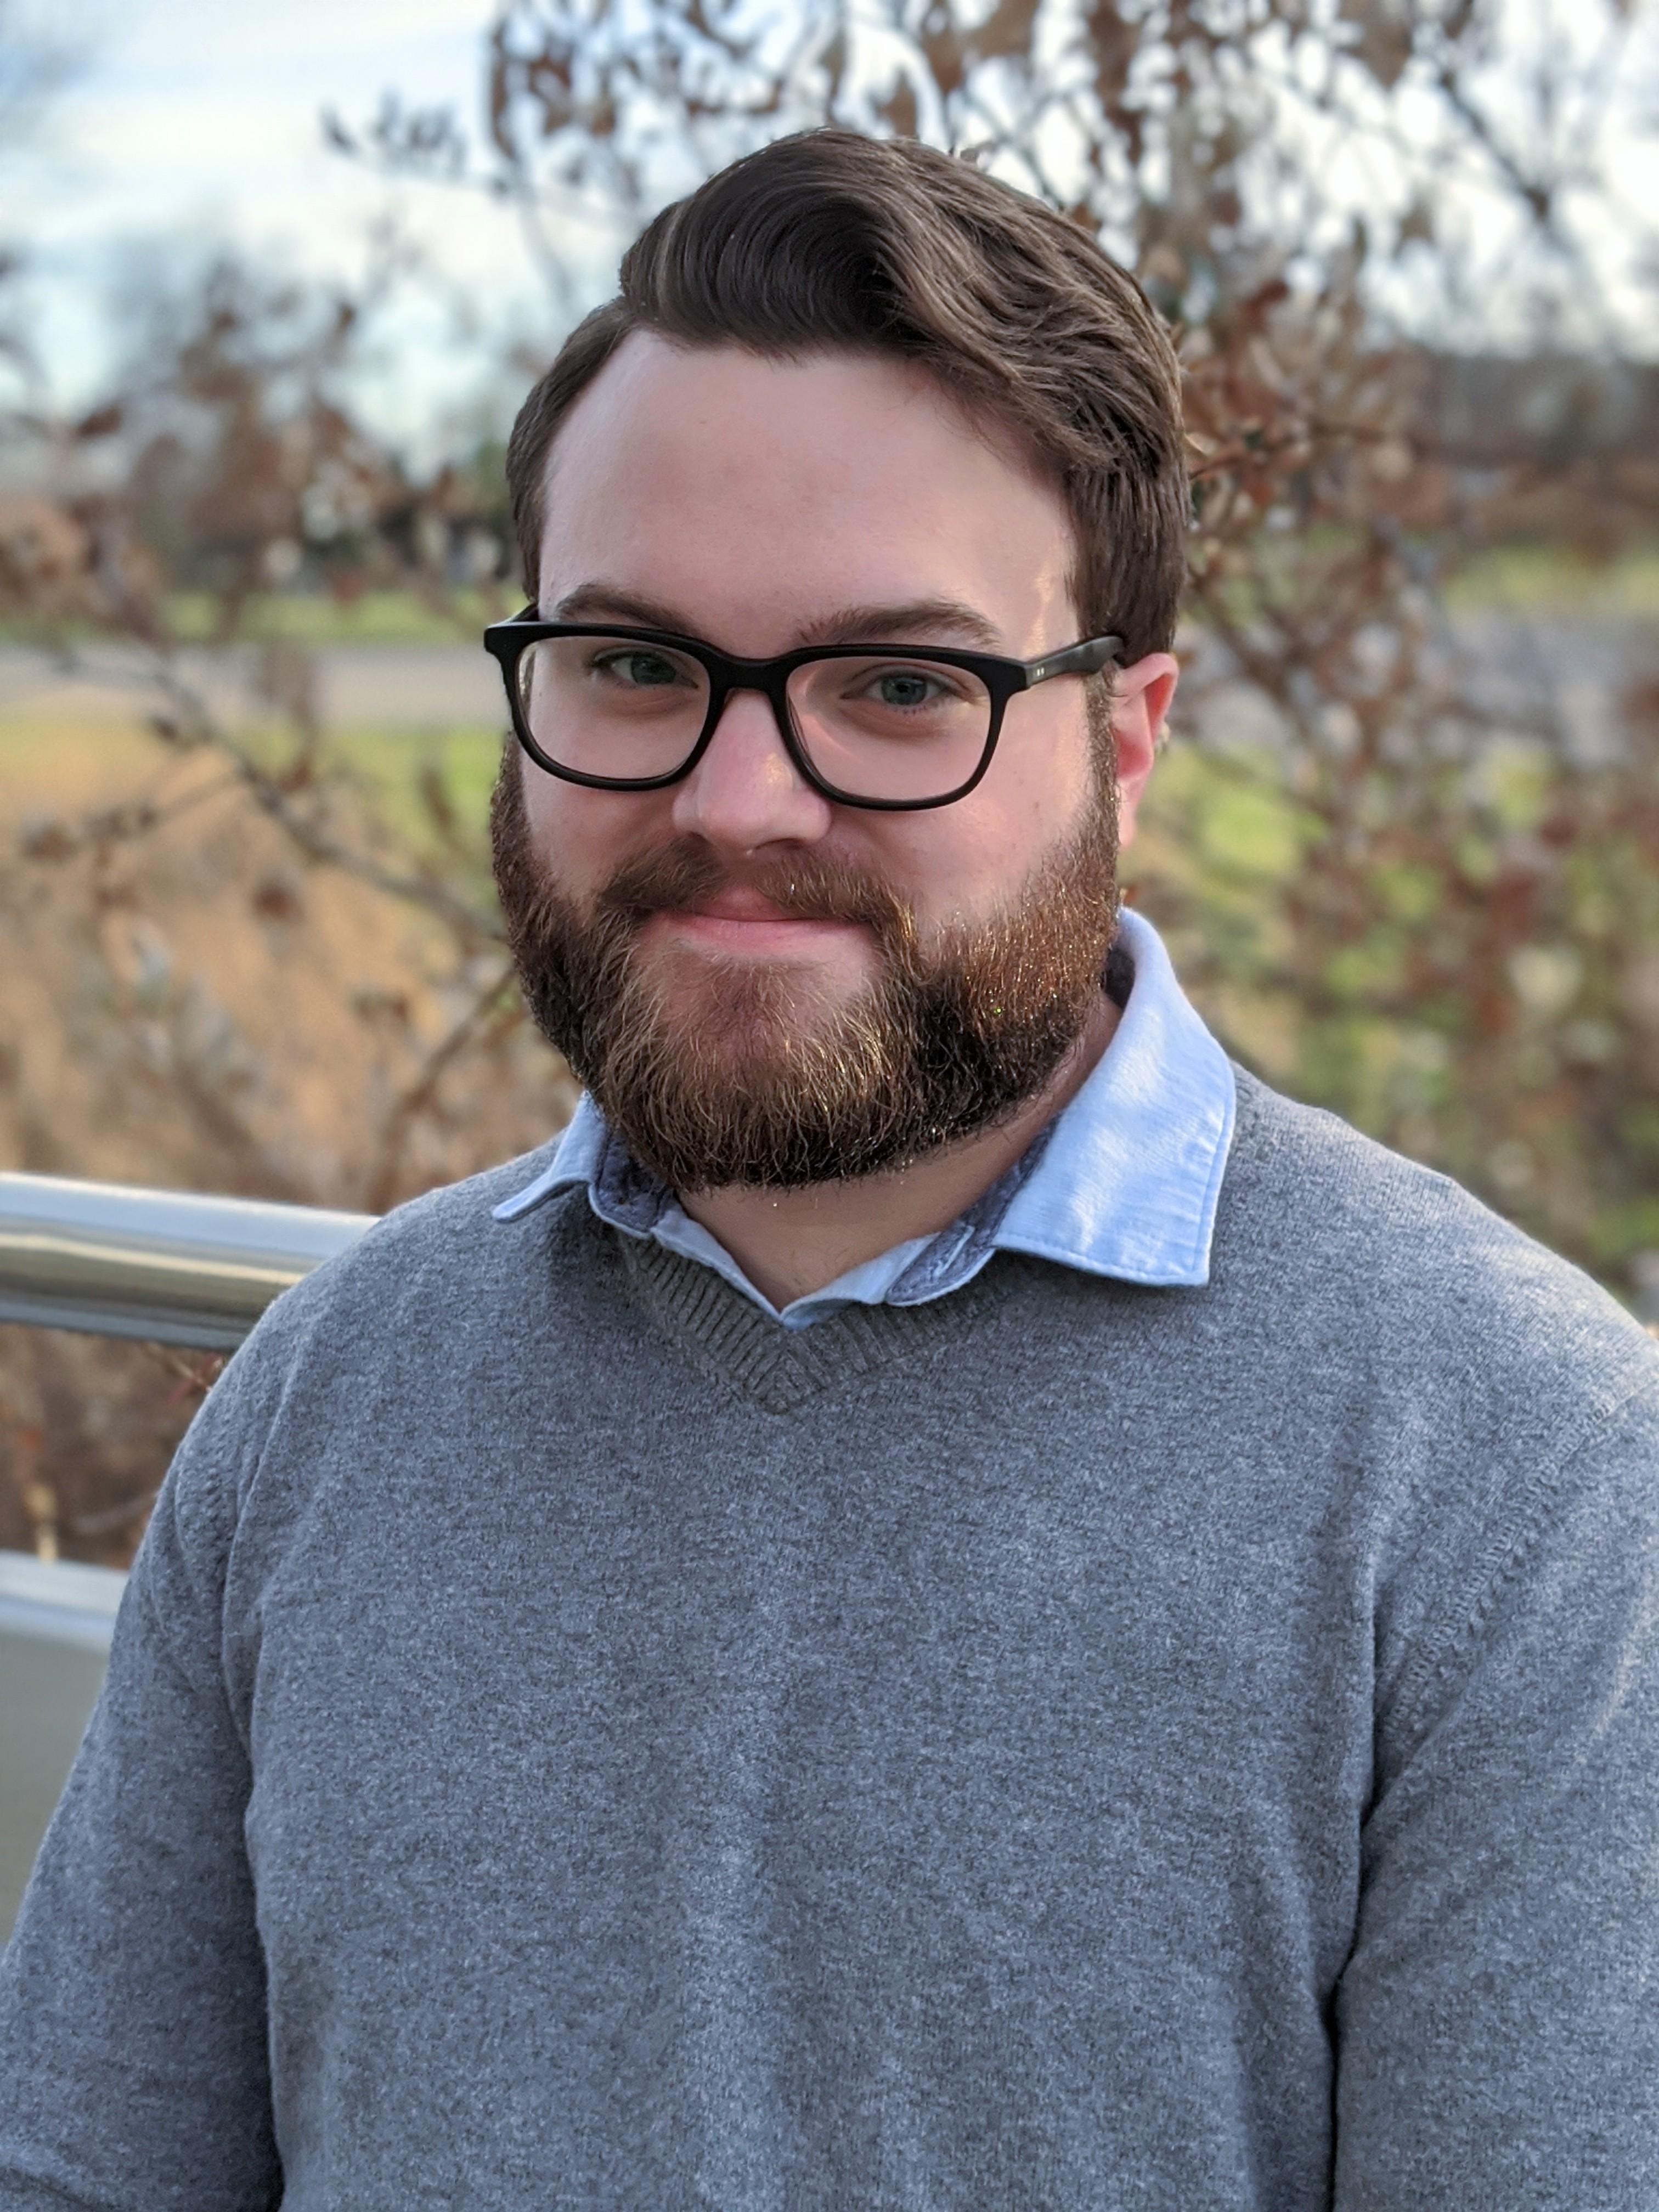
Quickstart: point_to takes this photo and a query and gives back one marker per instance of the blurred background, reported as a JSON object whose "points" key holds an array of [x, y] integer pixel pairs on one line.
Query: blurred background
{"points": [[272, 283]]}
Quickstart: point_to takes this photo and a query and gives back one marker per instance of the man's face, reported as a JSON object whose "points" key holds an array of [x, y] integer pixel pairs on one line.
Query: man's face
{"points": [[759, 985]]}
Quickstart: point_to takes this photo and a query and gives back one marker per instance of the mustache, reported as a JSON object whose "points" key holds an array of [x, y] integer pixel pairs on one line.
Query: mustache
{"points": [[811, 886]]}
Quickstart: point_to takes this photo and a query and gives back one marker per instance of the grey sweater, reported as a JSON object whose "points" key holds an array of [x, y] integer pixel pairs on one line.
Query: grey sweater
{"points": [[569, 1742]]}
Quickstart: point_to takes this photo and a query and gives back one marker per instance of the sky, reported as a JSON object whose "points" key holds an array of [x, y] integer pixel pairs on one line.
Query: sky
{"points": [[188, 121], [192, 121]]}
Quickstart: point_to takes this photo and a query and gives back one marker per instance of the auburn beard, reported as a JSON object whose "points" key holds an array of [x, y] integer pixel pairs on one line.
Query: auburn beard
{"points": [[743, 1075]]}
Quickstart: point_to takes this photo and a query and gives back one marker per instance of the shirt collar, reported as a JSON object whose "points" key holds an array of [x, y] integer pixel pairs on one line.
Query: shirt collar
{"points": [[1123, 1182], [1130, 1186]]}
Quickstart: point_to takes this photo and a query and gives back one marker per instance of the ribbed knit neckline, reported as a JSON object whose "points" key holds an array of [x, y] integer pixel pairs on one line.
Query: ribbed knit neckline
{"points": [[775, 1367]]}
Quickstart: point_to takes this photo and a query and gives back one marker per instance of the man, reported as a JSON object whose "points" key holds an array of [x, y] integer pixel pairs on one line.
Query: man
{"points": [[949, 1602]]}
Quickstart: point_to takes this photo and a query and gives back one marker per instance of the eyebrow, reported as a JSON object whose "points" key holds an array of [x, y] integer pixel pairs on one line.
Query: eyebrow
{"points": [[919, 620]]}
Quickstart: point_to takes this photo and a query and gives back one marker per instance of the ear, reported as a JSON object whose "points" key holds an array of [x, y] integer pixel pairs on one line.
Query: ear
{"points": [[1140, 706]]}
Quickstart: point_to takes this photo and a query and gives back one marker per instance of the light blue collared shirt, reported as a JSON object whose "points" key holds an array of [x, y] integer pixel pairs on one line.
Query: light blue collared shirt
{"points": [[1123, 1181]]}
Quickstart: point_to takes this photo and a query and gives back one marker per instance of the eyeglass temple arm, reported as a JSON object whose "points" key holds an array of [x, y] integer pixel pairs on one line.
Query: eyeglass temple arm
{"points": [[1087, 658]]}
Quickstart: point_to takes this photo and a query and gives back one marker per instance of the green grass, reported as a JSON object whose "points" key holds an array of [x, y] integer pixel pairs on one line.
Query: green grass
{"points": [[416, 776], [316, 618], [310, 618], [428, 790], [1546, 579]]}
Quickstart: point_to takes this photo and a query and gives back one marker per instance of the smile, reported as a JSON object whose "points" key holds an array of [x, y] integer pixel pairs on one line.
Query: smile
{"points": [[757, 933]]}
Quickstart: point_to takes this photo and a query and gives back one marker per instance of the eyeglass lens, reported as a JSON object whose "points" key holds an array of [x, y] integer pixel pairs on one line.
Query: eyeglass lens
{"points": [[882, 726]]}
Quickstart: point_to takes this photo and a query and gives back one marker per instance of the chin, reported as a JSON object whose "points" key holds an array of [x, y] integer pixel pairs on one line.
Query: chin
{"points": [[704, 994]]}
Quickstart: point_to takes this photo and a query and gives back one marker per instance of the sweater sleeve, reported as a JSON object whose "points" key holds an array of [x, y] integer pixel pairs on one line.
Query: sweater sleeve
{"points": [[132, 2015], [1498, 2022]]}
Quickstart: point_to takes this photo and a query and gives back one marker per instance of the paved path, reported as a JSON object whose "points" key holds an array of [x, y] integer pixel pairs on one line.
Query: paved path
{"points": [[420, 687]]}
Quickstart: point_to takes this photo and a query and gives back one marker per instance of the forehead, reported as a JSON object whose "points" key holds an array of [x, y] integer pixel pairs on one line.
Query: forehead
{"points": [[756, 491]]}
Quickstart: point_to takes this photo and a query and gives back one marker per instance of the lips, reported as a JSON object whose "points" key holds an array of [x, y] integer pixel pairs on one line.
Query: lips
{"points": [[736, 904], [763, 923], [742, 921]]}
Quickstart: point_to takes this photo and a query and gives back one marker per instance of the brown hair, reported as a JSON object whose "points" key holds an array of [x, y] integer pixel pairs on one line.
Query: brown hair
{"points": [[831, 240]]}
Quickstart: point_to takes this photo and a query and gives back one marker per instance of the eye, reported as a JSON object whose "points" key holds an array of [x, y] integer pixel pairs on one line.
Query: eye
{"points": [[638, 668], [903, 688]]}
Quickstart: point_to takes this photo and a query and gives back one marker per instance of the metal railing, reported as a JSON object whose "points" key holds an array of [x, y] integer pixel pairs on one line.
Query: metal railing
{"points": [[60, 1602], [160, 1264], [55, 1627], [166, 1266]]}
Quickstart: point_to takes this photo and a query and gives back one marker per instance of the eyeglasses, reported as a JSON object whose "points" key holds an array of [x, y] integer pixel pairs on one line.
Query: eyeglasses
{"points": [[891, 727]]}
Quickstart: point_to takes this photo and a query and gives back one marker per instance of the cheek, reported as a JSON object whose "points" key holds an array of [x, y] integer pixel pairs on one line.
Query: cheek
{"points": [[986, 848], [971, 865], [582, 836]]}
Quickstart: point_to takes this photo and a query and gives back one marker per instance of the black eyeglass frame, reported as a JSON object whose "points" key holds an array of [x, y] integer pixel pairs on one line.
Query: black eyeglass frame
{"points": [[1001, 677]]}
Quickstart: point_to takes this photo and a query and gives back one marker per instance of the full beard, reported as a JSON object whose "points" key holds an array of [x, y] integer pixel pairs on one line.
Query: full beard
{"points": [[735, 1075]]}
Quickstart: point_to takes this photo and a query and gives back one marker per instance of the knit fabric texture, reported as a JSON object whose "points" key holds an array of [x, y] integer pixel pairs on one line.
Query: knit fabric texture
{"points": [[570, 1741]]}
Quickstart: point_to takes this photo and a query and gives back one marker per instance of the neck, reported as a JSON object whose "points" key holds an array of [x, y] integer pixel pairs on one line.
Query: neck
{"points": [[791, 1242]]}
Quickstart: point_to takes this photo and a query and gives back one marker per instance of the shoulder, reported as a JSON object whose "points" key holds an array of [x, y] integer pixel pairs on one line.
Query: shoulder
{"points": [[435, 1315], [1412, 1282], [431, 1245], [1491, 1415], [433, 1280]]}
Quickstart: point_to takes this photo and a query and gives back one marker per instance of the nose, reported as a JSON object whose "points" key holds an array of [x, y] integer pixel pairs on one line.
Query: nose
{"points": [[745, 792]]}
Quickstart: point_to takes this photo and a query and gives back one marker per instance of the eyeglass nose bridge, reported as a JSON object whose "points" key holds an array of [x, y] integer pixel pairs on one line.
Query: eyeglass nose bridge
{"points": [[724, 684], [727, 676]]}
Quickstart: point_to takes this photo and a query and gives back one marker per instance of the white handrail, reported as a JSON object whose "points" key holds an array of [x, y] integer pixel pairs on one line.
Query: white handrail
{"points": [[169, 1266], [60, 1600]]}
